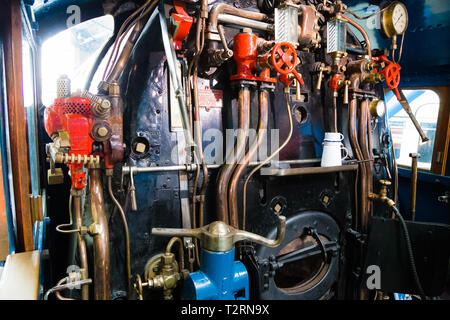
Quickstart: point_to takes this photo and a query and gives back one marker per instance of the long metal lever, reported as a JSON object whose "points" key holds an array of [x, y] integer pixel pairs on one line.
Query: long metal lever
{"points": [[411, 115], [219, 237]]}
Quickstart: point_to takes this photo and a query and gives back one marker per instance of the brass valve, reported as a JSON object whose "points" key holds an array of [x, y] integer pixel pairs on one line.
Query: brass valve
{"points": [[382, 196], [220, 237], [321, 70], [346, 84], [167, 279]]}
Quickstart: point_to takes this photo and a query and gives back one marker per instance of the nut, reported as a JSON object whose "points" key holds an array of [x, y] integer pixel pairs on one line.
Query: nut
{"points": [[140, 147]]}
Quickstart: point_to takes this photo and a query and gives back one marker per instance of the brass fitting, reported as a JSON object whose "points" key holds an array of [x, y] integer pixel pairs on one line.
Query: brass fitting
{"points": [[382, 196], [167, 279]]}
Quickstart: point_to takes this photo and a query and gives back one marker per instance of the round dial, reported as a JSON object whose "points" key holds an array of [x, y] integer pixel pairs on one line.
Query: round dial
{"points": [[400, 18], [394, 19]]}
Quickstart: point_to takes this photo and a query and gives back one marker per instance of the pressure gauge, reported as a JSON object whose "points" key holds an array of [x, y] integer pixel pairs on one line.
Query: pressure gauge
{"points": [[394, 19], [377, 108]]}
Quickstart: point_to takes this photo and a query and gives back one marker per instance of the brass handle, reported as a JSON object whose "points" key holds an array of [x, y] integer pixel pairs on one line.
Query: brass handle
{"points": [[218, 236]]}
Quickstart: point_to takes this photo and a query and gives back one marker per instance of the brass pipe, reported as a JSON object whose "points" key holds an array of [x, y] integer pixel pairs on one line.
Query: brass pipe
{"points": [[413, 191], [362, 31], [126, 232], [240, 168], [180, 250], [81, 245], [99, 231], [235, 156], [58, 294], [358, 153]]}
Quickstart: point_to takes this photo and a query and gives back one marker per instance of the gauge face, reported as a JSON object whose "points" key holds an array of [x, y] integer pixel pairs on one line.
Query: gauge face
{"points": [[394, 19], [400, 18]]}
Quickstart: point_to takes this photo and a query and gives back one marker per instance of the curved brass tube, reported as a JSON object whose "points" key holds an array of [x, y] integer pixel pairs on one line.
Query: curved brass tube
{"points": [[235, 156], [102, 285], [363, 32], [240, 167], [180, 250], [81, 245]]}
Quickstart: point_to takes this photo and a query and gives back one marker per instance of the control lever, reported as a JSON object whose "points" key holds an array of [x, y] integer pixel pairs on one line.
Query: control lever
{"points": [[391, 73], [218, 236], [411, 115], [220, 277]]}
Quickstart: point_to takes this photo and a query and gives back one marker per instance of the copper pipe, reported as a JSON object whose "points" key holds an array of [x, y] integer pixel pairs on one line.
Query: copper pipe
{"points": [[221, 8], [358, 153], [371, 157], [126, 52], [235, 156], [100, 235], [81, 245], [58, 294], [363, 140], [240, 168], [362, 31], [335, 126]]}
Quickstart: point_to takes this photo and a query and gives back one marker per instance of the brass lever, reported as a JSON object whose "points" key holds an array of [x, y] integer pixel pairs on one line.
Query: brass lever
{"points": [[218, 236]]}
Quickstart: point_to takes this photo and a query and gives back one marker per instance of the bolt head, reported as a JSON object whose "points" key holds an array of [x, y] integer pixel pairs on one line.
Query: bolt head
{"points": [[140, 147], [102, 131]]}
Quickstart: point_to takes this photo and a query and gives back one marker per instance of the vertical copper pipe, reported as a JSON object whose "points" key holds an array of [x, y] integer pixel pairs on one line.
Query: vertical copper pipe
{"points": [[235, 156], [81, 245], [240, 168], [358, 154], [371, 157], [101, 237], [335, 126], [363, 141]]}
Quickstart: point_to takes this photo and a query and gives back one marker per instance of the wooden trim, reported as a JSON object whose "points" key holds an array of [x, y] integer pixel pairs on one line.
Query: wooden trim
{"points": [[442, 139], [11, 21]]}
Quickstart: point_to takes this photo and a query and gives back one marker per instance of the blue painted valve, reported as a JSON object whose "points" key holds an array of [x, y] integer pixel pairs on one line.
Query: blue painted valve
{"points": [[220, 277]]}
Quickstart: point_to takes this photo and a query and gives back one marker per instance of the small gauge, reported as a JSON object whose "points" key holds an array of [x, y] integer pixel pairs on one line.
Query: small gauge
{"points": [[377, 108], [394, 19]]}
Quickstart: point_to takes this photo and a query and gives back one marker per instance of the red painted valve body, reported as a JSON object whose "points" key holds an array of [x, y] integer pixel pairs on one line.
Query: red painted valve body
{"points": [[245, 53], [72, 115]]}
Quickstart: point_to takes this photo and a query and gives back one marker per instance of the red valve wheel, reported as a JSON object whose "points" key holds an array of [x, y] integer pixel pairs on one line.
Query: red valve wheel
{"points": [[284, 57], [392, 75]]}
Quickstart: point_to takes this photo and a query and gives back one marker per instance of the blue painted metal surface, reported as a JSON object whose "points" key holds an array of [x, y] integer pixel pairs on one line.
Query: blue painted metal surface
{"points": [[220, 278], [429, 187]]}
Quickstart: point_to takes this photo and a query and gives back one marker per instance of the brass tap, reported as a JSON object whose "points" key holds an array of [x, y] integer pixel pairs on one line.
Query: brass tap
{"points": [[346, 84], [382, 196]]}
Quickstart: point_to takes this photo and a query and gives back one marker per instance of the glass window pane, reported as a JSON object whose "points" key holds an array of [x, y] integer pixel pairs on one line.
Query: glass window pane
{"points": [[73, 52], [425, 106]]}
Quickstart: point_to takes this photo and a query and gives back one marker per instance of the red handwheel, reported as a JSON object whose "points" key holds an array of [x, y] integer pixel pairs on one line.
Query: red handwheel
{"points": [[283, 57], [392, 75]]}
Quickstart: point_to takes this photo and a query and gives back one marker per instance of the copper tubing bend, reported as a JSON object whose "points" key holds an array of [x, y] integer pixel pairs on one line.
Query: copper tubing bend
{"points": [[126, 52], [362, 31], [234, 157], [240, 168], [225, 8], [364, 132], [353, 105], [101, 237], [81, 245]]}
